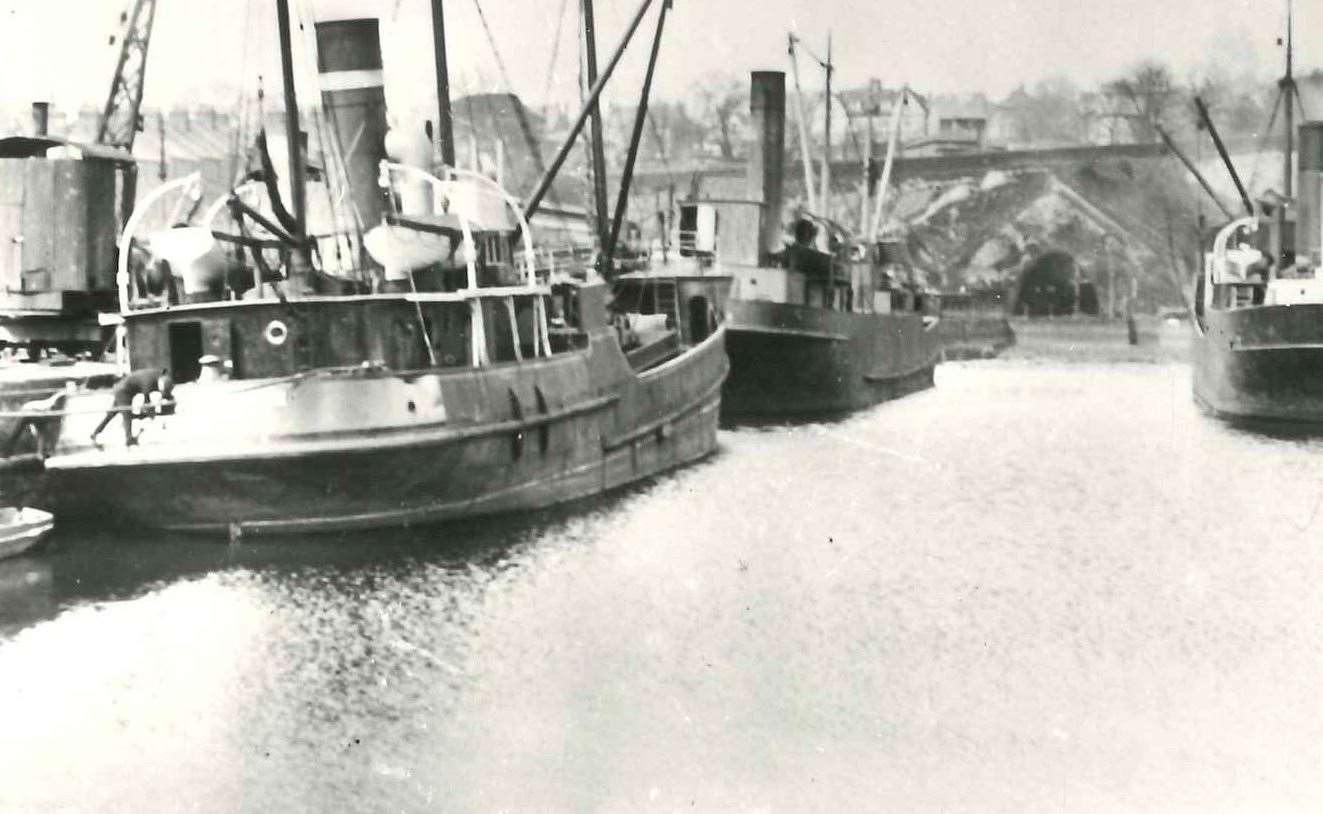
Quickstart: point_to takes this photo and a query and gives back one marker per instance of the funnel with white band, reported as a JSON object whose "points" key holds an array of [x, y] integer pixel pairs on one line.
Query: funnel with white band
{"points": [[354, 101]]}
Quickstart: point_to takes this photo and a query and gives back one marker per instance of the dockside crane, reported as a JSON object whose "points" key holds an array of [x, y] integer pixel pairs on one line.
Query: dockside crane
{"points": [[121, 118]]}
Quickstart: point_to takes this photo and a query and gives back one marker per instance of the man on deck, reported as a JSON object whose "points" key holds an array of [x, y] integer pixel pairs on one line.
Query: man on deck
{"points": [[143, 383]]}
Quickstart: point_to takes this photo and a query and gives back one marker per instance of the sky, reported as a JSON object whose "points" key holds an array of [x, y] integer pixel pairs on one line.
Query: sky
{"points": [[59, 49]]}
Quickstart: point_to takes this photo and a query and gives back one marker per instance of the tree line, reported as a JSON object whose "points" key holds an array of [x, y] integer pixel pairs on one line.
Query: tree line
{"points": [[710, 122]]}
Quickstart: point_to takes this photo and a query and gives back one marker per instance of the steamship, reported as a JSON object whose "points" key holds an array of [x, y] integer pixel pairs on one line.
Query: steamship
{"points": [[469, 376], [1259, 308], [810, 330], [1258, 305]]}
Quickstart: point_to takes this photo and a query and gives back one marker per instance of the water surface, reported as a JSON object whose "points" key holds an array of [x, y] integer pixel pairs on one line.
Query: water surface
{"points": [[1042, 585]]}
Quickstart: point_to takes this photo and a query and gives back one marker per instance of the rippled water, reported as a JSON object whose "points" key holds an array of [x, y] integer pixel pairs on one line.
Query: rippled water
{"points": [[1040, 586]]}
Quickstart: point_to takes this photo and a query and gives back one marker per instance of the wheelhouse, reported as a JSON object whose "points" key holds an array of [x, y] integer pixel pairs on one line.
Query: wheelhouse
{"points": [[464, 288]]}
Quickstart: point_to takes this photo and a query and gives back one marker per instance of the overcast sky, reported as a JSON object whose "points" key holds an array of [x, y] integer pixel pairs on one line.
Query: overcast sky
{"points": [[59, 48]]}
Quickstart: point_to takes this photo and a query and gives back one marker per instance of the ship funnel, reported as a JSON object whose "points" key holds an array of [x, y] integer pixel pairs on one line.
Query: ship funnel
{"points": [[41, 118], [353, 96], [1309, 218], [766, 167]]}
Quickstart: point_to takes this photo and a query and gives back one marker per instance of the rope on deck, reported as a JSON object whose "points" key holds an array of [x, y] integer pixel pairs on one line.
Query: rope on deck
{"points": [[36, 413], [148, 412]]}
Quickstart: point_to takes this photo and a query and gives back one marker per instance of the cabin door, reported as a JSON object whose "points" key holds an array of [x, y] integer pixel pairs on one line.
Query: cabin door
{"points": [[699, 324], [185, 350]]}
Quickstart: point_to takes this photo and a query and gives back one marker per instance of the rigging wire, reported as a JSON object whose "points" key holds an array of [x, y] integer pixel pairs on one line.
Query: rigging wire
{"points": [[319, 124], [555, 50], [661, 145], [535, 151], [1267, 134], [472, 134], [493, 118], [850, 126], [334, 166], [491, 40], [584, 138], [551, 77], [241, 103]]}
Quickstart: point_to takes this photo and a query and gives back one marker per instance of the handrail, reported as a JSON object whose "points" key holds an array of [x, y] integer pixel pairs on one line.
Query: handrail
{"points": [[515, 206], [494, 189], [218, 205], [1223, 234], [1219, 254], [131, 226], [122, 280], [455, 176]]}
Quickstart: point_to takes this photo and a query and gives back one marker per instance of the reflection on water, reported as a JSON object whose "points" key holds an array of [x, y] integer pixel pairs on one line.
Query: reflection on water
{"points": [[1037, 586]]}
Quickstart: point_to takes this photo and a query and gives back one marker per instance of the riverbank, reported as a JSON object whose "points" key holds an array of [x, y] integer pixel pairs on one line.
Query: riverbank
{"points": [[1089, 339]]}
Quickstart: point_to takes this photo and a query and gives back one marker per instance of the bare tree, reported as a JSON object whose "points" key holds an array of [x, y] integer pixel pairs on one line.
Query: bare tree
{"points": [[1049, 112], [1153, 95], [724, 104], [1239, 103], [673, 134]]}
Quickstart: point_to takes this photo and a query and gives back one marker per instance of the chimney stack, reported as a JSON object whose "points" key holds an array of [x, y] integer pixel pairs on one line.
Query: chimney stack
{"points": [[1309, 218], [41, 118], [766, 167]]}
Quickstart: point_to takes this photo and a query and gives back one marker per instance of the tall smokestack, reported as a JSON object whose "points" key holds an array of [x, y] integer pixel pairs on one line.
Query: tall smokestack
{"points": [[349, 72], [41, 118], [766, 168], [1309, 218]]}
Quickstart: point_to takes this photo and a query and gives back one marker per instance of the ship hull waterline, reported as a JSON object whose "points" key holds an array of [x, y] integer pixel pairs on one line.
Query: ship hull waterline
{"points": [[1262, 365], [607, 428], [791, 361]]}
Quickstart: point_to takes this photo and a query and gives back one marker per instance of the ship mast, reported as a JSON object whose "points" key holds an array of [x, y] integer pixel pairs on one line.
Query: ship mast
{"points": [[445, 131], [824, 197], [300, 264], [865, 191], [804, 146], [595, 136], [1288, 93], [640, 117], [544, 184]]}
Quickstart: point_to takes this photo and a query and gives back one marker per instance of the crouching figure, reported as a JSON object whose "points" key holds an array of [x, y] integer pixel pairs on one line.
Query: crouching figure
{"points": [[146, 383]]}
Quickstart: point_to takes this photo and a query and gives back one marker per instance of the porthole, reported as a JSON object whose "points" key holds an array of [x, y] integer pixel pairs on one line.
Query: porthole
{"points": [[276, 332]]}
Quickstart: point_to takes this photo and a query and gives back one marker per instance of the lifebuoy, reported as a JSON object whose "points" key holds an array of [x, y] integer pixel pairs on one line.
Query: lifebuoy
{"points": [[276, 332]]}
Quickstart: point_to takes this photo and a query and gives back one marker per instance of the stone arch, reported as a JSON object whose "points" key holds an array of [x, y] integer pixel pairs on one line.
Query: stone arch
{"points": [[1048, 287]]}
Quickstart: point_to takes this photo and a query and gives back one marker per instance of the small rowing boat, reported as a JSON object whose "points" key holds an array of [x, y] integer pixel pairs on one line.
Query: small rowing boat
{"points": [[22, 528]]}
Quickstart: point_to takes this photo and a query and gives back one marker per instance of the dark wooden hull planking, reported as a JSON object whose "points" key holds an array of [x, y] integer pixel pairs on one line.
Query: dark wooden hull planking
{"points": [[510, 437], [795, 360], [1262, 364]]}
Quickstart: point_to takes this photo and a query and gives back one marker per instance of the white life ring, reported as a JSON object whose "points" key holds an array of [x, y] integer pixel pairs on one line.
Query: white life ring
{"points": [[276, 332]]}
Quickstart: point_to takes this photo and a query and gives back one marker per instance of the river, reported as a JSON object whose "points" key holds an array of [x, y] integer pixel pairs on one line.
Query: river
{"points": [[1048, 584]]}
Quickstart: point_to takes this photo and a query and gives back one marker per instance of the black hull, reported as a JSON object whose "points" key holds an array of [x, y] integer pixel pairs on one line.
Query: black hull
{"points": [[1262, 365], [793, 361], [602, 427]]}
